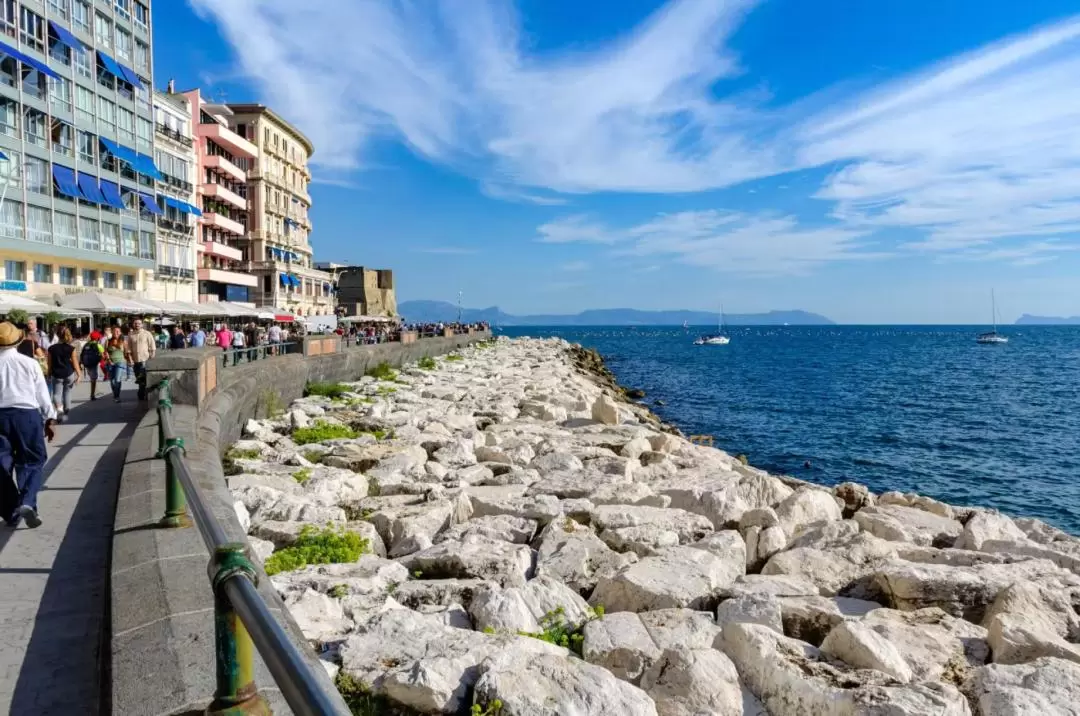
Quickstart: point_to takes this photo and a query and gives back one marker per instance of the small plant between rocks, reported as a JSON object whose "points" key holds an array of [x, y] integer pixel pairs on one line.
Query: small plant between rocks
{"points": [[302, 475], [426, 363], [326, 390], [314, 546], [492, 708], [454, 357], [383, 371], [339, 591], [313, 456], [557, 631], [321, 431]]}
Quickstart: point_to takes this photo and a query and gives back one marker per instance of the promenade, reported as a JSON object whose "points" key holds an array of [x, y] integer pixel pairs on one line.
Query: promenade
{"points": [[53, 580]]}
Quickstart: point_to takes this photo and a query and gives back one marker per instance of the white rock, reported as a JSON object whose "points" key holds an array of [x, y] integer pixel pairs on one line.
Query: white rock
{"points": [[474, 558], [320, 616], [525, 608], [456, 453], [298, 419], [577, 557], [1046, 687], [986, 525], [556, 462], [860, 646], [771, 541], [834, 570], [620, 643], [644, 541], [506, 528], [755, 609], [678, 577], [763, 517], [908, 524], [810, 618], [688, 526], [688, 682], [605, 411], [261, 548], [635, 447], [242, 516], [806, 506]]}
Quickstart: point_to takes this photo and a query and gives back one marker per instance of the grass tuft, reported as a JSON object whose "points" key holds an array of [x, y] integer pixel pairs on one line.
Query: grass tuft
{"points": [[426, 363], [454, 357], [556, 630], [321, 431], [302, 475], [327, 390], [383, 371], [314, 546]]}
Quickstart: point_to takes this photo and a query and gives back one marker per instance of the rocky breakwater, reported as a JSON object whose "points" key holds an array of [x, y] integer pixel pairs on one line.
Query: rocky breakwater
{"points": [[499, 532]]}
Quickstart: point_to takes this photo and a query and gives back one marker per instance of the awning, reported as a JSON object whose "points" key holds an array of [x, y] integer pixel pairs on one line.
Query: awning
{"points": [[284, 279], [124, 154], [66, 182], [145, 165], [107, 303], [111, 192], [3, 156], [130, 76], [65, 36], [284, 318], [150, 205], [28, 60], [111, 65], [90, 189]]}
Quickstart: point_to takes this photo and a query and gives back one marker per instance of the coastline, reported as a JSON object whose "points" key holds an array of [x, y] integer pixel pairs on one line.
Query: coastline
{"points": [[516, 489]]}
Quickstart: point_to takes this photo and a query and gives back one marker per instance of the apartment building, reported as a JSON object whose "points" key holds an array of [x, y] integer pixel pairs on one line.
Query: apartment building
{"points": [[278, 248], [223, 159], [77, 174], [175, 155]]}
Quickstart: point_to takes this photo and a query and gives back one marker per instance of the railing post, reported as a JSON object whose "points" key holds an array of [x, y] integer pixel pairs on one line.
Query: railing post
{"points": [[175, 500], [236, 692]]}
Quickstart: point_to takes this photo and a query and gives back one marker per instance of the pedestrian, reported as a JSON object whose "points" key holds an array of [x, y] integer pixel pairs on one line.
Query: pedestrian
{"points": [[224, 340], [129, 374], [251, 338], [37, 336], [198, 337], [176, 340], [116, 355], [273, 337], [63, 371], [27, 417], [90, 358], [141, 347], [238, 342]]}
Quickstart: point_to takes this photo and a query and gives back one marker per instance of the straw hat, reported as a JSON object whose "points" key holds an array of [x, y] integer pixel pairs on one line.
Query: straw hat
{"points": [[9, 335]]}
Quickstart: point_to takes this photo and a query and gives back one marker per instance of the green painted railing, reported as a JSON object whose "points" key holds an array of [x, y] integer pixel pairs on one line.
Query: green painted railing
{"points": [[242, 619]]}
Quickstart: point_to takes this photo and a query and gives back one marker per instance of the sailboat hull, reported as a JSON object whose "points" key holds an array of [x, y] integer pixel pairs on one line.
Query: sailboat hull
{"points": [[713, 341], [991, 339]]}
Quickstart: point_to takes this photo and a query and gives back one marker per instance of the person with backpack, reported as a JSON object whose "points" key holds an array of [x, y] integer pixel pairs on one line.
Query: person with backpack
{"points": [[63, 371], [90, 358]]}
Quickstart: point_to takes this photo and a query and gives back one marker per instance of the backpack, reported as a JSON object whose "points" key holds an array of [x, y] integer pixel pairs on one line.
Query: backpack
{"points": [[91, 354]]}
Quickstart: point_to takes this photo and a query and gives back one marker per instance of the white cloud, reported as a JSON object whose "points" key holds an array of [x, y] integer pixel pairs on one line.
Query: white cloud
{"points": [[578, 228], [509, 193], [574, 266]]}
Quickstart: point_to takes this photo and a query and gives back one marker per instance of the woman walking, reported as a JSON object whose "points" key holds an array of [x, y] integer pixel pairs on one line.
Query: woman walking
{"points": [[63, 371], [116, 354], [90, 357]]}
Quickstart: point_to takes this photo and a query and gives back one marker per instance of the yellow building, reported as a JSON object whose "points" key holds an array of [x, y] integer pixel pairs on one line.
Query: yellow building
{"points": [[277, 247]]}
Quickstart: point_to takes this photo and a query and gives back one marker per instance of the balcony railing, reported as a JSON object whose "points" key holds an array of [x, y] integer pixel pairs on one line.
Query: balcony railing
{"points": [[172, 134], [176, 183], [174, 272], [177, 226]]}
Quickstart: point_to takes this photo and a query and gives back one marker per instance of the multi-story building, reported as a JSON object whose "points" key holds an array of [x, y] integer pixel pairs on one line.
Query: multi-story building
{"points": [[223, 159], [77, 175], [176, 159], [278, 248], [366, 292]]}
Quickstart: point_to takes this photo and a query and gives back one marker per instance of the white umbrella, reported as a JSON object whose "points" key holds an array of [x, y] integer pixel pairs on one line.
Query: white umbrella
{"points": [[107, 303]]}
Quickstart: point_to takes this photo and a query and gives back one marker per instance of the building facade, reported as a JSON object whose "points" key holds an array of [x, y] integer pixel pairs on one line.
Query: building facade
{"points": [[78, 204], [278, 249], [366, 292], [223, 159], [173, 278]]}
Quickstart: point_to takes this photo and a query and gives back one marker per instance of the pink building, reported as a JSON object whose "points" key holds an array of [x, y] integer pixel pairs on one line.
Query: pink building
{"points": [[222, 161]]}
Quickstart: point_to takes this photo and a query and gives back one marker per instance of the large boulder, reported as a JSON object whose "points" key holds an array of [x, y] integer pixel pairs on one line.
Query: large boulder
{"points": [[678, 577], [688, 526], [474, 557], [811, 618], [838, 568], [908, 524], [807, 506], [986, 525], [504, 528], [524, 609], [688, 682], [575, 556], [1046, 687], [1027, 622]]}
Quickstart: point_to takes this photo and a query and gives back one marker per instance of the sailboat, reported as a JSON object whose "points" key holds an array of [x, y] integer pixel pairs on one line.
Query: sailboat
{"points": [[717, 339], [993, 337]]}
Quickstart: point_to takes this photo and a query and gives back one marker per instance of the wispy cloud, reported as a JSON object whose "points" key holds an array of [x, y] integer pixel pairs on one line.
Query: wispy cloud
{"points": [[578, 228], [574, 266], [444, 250], [509, 193]]}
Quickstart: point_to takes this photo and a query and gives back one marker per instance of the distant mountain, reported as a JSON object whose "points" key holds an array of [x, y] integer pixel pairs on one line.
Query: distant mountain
{"points": [[1029, 320], [435, 311]]}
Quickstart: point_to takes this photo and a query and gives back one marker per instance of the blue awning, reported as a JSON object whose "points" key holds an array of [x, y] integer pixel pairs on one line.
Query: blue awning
{"points": [[130, 76], [90, 188], [194, 210], [124, 154], [3, 156], [284, 279], [28, 60], [150, 205], [66, 182], [111, 192], [64, 35], [111, 65], [182, 206], [145, 165]]}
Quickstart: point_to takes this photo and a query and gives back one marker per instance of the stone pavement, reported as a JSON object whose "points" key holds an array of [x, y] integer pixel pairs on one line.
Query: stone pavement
{"points": [[54, 579]]}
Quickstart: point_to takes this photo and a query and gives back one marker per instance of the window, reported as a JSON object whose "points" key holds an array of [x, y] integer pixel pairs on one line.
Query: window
{"points": [[34, 127], [67, 275], [146, 245], [9, 117], [9, 18], [63, 138], [86, 144], [123, 44], [38, 227], [106, 112], [34, 83], [64, 230], [11, 220], [59, 8], [15, 270], [125, 123], [88, 234], [84, 106], [109, 279], [43, 273], [59, 51], [37, 175], [131, 240], [142, 15], [110, 238], [142, 57], [123, 9], [129, 282], [32, 29], [90, 277], [103, 30], [81, 60], [60, 94], [9, 71], [80, 15]]}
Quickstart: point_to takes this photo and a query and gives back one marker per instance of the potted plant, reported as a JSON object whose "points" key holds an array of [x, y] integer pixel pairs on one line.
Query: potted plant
{"points": [[18, 316]]}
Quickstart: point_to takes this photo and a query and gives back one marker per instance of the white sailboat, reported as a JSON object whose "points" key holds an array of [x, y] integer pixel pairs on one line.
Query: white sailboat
{"points": [[992, 337], [717, 339]]}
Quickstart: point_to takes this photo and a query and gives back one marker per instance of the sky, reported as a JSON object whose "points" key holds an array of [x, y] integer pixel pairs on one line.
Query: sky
{"points": [[877, 162]]}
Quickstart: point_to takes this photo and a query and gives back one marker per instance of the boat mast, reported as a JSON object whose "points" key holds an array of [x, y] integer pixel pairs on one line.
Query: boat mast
{"points": [[720, 325], [993, 307]]}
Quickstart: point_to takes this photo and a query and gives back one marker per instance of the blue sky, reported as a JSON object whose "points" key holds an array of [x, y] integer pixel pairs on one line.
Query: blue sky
{"points": [[878, 162]]}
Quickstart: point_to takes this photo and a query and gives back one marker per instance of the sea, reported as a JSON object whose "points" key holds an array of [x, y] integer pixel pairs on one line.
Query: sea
{"points": [[920, 409]]}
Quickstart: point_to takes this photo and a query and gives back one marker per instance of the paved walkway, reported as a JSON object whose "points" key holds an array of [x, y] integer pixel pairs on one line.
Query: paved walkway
{"points": [[54, 579]]}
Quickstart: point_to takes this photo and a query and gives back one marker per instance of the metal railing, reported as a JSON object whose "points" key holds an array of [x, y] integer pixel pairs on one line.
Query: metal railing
{"points": [[236, 356], [242, 620]]}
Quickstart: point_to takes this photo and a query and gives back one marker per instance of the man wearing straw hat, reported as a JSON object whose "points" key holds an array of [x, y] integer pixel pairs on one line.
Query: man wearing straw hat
{"points": [[27, 416]]}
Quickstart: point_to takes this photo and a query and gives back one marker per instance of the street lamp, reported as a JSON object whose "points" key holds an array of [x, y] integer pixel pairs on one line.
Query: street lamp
{"points": [[459, 307]]}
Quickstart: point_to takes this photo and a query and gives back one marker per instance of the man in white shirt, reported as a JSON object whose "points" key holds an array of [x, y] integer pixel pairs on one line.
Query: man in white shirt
{"points": [[39, 337], [27, 416]]}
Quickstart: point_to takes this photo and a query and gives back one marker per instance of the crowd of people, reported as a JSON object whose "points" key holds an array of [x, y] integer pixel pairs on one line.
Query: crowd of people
{"points": [[428, 329]]}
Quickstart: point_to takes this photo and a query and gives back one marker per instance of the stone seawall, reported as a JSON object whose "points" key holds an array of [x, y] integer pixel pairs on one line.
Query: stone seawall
{"points": [[162, 658]]}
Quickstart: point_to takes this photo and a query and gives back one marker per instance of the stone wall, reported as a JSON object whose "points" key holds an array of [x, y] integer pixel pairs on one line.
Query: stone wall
{"points": [[162, 647]]}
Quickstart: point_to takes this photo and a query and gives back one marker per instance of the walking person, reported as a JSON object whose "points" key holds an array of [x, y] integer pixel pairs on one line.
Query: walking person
{"points": [[197, 337], [251, 338], [273, 337], [27, 417], [224, 339], [129, 374], [141, 347], [36, 335], [116, 355], [64, 372], [90, 358], [176, 340]]}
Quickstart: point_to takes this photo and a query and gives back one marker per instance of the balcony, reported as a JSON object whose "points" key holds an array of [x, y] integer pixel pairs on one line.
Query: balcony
{"points": [[211, 218], [173, 135], [221, 250], [164, 271], [219, 191], [228, 139], [232, 277], [176, 226], [224, 166]]}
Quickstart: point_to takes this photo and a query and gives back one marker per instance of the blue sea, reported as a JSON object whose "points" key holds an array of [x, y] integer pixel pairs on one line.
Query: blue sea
{"points": [[912, 408]]}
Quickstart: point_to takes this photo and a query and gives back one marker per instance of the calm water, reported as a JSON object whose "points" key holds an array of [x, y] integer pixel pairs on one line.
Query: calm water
{"points": [[921, 409]]}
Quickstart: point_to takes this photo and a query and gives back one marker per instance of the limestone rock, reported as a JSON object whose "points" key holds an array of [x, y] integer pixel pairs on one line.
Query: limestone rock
{"points": [[763, 517], [834, 570], [519, 609], [620, 643], [858, 645], [575, 556], [505, 528], [776, 585], [474, 558], [644, 541], [986, 525], [761, 609], [854, 496], [678, 577], [681, 627], [688, 526], [810, 619], [1045, 687], [806, 506], [688, 682], [908, 524], [418, 593]]}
